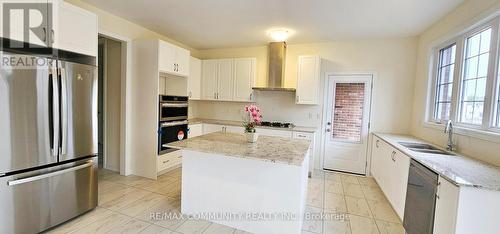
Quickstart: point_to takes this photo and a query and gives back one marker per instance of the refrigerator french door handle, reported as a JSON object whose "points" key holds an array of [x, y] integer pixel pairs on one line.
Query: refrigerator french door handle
{"points": [[48, 175], [55, 111], [64, 111]]}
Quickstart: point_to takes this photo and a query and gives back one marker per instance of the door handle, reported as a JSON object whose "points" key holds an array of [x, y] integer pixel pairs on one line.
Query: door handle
{"points": [[44, 34], [55, 111], [48, 175], [52, 36], [64, 114]]}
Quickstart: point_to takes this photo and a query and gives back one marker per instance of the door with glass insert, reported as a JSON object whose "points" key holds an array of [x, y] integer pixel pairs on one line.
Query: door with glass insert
{"points": [[347, 117]]}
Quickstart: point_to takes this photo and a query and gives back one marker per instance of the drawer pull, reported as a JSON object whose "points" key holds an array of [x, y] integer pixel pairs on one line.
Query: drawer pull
{"points": [[166, 161]]}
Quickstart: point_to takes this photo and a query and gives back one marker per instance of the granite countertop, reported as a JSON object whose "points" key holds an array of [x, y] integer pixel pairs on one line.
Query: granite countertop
{"points": [[240, 123], [458, 169], [267, 148]]}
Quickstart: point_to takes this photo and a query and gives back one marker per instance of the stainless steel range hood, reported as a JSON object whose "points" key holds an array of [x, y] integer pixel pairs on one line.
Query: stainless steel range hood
{"points": [[275, 79]]}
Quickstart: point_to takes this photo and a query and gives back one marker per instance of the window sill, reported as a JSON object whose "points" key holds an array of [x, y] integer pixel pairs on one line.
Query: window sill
{"points": [[469, 132]]}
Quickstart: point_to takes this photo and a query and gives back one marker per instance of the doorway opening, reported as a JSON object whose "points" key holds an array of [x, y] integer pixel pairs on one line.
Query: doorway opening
{"points": [[110, 59], [347, 108]]}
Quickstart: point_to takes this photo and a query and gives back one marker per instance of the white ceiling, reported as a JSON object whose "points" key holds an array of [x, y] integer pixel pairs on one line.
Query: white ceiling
{"points": [[205, 24]]}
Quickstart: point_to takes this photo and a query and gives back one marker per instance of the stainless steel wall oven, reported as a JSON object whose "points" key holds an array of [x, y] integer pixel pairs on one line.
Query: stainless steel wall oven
{"points": [[173, 123]]}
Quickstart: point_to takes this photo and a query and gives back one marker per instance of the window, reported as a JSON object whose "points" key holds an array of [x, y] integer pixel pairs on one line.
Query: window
{"points": [[446, 68], [466, 84], [473, 90], [348, 111]]}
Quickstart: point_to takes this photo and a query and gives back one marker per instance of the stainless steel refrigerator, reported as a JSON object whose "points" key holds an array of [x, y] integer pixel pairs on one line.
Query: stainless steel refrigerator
{"points": [[48, 139]]}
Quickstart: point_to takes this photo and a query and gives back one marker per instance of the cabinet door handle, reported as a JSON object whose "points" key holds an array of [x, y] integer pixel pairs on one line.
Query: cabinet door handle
{"points": [[52, 36], [251, 94], [44, 34], [437, 189], [298, 98], [392, 156], [217, 94], [190, 94], [376, 143], [214, 96]]}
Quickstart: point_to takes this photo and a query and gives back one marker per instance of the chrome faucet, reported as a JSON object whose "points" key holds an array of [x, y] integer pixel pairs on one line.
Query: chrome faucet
{"points": [[449, 130]]}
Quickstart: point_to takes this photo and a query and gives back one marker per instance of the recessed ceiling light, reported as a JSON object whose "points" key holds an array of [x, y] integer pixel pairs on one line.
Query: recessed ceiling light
{"points": [[279, 35]]}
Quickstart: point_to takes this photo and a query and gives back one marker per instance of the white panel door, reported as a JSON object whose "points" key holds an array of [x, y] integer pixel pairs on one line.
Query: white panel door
{"points": [[244, 76], [399, 181], [445, 216], [182, 58], [376, 163], [195, 130], [210, 128], [77, 30], [194, 79], [346, 123], [225, 80], [38, 22], [166, 54], [209, 79], [308, 79]]}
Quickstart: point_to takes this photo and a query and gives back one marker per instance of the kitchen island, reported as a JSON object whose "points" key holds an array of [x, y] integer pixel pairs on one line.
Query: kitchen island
{"points": [[257, 187]]}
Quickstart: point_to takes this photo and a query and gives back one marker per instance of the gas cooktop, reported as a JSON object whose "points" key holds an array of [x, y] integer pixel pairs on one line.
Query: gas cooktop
{"points": [[277, 124]]}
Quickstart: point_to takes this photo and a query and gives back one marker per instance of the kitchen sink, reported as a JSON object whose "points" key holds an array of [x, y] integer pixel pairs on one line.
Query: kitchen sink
{"points": [[424, 148]]}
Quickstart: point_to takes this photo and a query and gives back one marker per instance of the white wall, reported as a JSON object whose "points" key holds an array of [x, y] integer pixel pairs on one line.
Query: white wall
{"points": [[458, 20]]}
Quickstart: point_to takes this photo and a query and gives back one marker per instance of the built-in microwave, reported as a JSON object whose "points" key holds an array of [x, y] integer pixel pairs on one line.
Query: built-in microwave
{"points": [[173, 108]]}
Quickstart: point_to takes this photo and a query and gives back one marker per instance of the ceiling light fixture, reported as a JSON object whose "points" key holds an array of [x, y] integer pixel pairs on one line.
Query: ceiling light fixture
{"points": [[278, 35]]}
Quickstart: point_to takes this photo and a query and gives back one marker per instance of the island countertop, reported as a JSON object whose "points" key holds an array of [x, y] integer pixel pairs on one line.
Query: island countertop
{"points": [[267, 148]]}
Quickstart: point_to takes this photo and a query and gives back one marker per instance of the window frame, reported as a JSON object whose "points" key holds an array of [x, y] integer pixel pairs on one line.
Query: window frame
{"points": [[492, 92]]}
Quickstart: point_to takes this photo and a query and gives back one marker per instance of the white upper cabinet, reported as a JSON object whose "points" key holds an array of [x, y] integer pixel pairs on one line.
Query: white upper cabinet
{"points": [[166, 56], [72, 29], [244, 77], [182, 59], [173, 59], [209, 70], [15, 19], [225, 80], [308, 79], [76, 30], [232, 79], [194, 79]]}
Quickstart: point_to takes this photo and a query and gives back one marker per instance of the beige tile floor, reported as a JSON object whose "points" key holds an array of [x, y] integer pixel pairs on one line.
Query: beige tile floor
{"points": [[353, 205]]}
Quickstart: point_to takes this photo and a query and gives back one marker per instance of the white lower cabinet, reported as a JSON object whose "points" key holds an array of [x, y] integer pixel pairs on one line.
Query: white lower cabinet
{"points": [[307, 136], [195, 130], [390, 169], [273, 132], [210, 128], [446, 207], [169, 160]]}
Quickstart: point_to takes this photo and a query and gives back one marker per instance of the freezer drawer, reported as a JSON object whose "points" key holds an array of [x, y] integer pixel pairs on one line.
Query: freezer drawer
{"points": [[35, 201]]}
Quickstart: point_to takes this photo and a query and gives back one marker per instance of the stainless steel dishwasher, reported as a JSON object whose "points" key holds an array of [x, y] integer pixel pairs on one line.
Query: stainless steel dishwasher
{"points": [[420, 199]]}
